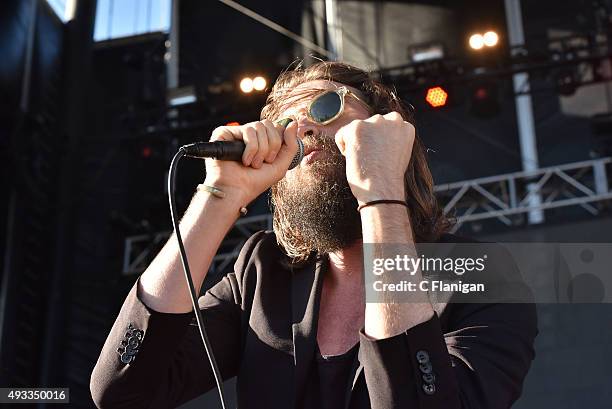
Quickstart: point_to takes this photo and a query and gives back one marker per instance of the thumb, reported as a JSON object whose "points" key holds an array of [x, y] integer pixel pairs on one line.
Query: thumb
{"points": [[289, 148]]}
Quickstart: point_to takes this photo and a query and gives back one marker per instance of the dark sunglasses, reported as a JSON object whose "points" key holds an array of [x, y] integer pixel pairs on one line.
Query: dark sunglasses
{"points": [[329, 105]]}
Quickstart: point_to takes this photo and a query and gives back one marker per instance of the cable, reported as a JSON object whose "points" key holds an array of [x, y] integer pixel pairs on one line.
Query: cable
{"points": [[345, 34], [192, 293], [277, 27]]}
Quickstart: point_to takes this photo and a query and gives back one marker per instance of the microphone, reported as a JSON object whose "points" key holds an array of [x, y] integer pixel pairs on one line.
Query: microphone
{"points": [[230, 150]]}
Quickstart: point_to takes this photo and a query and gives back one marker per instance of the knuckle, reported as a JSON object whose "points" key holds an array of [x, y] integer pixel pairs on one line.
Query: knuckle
{"points": [[250, 137], [249, 150], [260, 127], [408, 126], [262, 147], [275, 140], [217, 133], [262, 139], [260, 153], [275, 131], [270, 156]]}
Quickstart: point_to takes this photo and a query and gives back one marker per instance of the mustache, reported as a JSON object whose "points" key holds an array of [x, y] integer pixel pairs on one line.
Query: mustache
{"points": [[319, 141]]}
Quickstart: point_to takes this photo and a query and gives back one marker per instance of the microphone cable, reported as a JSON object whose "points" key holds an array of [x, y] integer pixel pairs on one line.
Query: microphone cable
{"points": [[194, 298]]}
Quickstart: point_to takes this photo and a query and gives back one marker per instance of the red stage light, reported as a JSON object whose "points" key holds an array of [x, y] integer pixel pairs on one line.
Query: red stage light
{"points": [[232, 124], [481, 93], [146, 151], [436, 97]]}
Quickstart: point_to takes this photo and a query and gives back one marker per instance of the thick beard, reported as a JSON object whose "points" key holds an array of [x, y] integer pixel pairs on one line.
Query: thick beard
{"points": [[314, 208]]}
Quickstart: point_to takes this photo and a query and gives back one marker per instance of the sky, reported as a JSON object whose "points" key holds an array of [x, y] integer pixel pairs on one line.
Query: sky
{"points": [[121, 18]]}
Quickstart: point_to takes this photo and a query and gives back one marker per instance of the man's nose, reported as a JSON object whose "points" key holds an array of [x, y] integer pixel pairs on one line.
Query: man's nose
{"points": [[307, 131], [306, 128]]}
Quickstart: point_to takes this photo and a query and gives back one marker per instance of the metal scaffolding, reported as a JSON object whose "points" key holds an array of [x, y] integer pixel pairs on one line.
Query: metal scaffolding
{"points": [[139, 250], [498, 197], [575, 184]]}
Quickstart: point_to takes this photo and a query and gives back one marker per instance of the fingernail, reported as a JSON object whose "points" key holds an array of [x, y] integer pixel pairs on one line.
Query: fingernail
{"points": [[285, 121]]}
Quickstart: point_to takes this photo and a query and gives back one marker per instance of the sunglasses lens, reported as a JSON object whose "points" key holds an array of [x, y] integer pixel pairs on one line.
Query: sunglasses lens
{"points": [[325, 107]]}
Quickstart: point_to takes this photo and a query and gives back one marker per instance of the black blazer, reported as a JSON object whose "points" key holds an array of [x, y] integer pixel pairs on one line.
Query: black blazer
{"points": [[262, 320]]}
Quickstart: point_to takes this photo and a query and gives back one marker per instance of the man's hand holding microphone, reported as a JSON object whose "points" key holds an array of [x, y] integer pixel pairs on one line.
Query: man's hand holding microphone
{"points": [[268, 152]]}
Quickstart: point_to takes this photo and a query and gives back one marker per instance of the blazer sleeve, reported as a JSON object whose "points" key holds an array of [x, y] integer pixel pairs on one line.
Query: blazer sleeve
{"points": [[478, 362], [157, 360]]}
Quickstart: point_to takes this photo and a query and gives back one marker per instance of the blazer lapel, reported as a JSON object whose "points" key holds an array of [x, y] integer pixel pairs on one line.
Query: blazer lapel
{"points": [[305, 295]]}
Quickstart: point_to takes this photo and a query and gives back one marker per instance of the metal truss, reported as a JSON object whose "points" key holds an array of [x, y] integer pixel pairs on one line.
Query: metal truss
{"points": [[496, 197], [575, 184], [140, 250], [581, 54]]}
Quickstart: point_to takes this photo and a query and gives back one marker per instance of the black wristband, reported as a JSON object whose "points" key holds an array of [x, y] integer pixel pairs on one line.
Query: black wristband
{"points": [[382, 201]]}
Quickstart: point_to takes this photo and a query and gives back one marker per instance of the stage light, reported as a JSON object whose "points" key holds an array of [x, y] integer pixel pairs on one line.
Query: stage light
{"points": [[246, 85], [490, 38], [181, 96], [436, 97], [485, 100], [183, 100], [429, 52], [146, 152], [233, 123], [477, 41], [259, 83]]}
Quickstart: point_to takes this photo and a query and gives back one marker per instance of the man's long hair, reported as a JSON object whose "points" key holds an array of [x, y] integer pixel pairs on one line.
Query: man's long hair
{"points": [[427, 218]]}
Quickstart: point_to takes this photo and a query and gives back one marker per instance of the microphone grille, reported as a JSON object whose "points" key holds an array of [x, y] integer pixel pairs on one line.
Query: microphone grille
{"points": [[298, 156]]}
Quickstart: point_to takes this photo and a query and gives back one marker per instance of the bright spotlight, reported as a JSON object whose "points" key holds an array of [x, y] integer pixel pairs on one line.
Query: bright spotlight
{"points": [[259, 83], [476, 41], [436, 97], [490, 38], [246, 85]]}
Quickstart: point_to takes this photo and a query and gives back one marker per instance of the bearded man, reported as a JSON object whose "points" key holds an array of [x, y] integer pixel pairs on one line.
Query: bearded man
{"points": [[292, 321]]}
